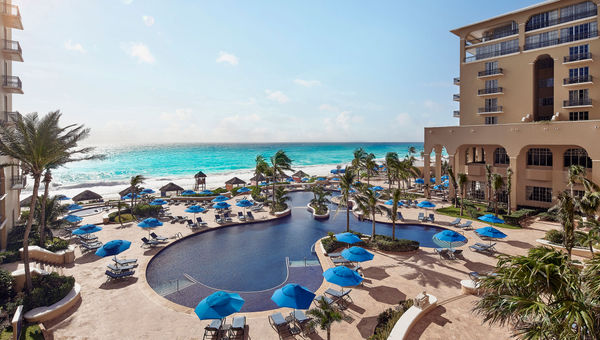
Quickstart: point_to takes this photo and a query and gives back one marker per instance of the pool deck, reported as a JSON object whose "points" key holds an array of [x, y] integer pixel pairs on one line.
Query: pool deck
{"points": [[130, 309]]}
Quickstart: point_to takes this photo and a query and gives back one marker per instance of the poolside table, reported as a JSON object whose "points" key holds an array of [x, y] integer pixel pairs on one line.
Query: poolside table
{"points": [[292, 325]]}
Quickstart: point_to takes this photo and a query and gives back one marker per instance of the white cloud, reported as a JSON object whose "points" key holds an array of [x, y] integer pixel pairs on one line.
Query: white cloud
{"points": [[277, 96], [178, 115], [307, 83], [327, 107], [404, 119], [148, 20], [225, 57], [71, 46], [127, 2], [139, 51], [344, 121]]}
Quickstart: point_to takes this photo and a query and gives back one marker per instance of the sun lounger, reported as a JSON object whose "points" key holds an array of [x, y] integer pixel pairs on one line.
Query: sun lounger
{"points": [[479, 248], [338, 296], [323, 297], [490, 247], [414, 204], [241, 216], [218, 219], [201, 223], [456, 222], [87, 237], [457, 253], [191, 224], [334, 255], [227, 217], [118, 269], [158, 238], [278, 322], [339, 261], [249, 214], [213, 329], [124, 262], [303, 322], [400, 217], [150, 243], [442, 252], [238, 328], [115, 276], [431, 217], [421, 217], [90, 246], [466, 225]]}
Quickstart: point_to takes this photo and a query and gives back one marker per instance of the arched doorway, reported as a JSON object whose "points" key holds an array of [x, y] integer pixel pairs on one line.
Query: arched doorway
{"points": [[544, 88]]}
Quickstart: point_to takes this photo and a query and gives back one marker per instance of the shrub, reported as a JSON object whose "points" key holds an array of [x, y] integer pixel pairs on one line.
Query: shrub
{"points": [[385, 243], [330, 244], [16, 234], [7, 283], [146, 210], [554, 236], [473, 212], [48, 289], [548, 217], [387, 319], [9, 256], [517, 216], [57, 244]]}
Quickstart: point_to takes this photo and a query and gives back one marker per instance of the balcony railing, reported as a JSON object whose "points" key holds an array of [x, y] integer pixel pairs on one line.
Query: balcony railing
{"points": [[12, 50], [456, 97], [18, 182], [577, 102], [12, 83], [490, 72], [11, 14], [455, 113], [561, 40], [494, 36], [577, 80], [565, 18], [492, 54], [577, 57], [490, 90], [490, 109], [9, 117], [456, 81]]}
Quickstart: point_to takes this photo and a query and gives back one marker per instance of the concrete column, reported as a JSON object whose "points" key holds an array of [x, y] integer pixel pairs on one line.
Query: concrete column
{"points": [[514, 165], [438, 164], [426, 171]]}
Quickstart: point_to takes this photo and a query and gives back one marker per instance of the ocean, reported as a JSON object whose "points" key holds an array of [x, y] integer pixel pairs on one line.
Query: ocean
{"points": [[179, 162]]}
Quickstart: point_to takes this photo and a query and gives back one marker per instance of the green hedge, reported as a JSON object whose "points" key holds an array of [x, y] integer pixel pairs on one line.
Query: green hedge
{"points": [[47, 290], [146, 210], [7, 287], [9, 256], [517, 216], [57, 244], [385, 243], [387, 320]]}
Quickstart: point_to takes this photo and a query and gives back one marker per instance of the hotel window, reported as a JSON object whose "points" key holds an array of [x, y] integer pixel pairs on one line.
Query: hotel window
{"points": [[579, 52], [549, 101], [491, 84], [491, 67], [565, 14], [578, 193], [500, 156], [579, 75], [539, 157], [541, 40], [549, 82], [476, 190], [539, 194], [583, 31], [577, 157], [580, 115], [579, 97], [494, 50], [491, 120], [491, 104]]}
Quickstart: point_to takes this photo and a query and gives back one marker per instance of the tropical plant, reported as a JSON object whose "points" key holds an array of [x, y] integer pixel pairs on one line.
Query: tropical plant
{"points": [[396, 196], [262, 167], [391, 162], [319, 201], [358, 160], [280, 198], [346, 182], [42, 225], [324, 315], [497, 185], [592, 236], [48, 212], [543, 296], [509, 174], [280, 162], [454, 185], [488, 175], [368, 204], [462, 184], [119, 205], [37, 144], [412, 151], [135, 183], [575, 175], [370, 166], [565, 211]]}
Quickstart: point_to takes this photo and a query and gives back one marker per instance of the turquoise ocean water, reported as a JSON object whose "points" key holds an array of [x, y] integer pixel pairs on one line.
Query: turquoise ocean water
{"points": [[179, 162]]}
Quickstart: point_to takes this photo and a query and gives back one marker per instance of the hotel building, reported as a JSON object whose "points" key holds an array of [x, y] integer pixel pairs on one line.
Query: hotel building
{"points": [[11, 178], [528, 101]]}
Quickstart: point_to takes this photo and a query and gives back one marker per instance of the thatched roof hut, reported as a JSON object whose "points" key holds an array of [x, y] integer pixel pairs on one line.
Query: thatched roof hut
{"points": [[169, 187], [258, 178], [87, 195], [25, 203], [126, 191], [200, 174], [235, 181], [300, 174]]}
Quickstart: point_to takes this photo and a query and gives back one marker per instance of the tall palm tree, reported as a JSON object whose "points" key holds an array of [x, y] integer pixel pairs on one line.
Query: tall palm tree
{"points": [[325, 315], [454, 185], [49, 212], [358, 160], [280, 199], [396, 196], [575, 175], [135, 184], [320, 200], [565, 208], [280, 162], [368, 204], [261, 166], [391, 162], [412, 150], [509, 174], [462, 184], [37, 144], [488, 175], [42, 226], [497, 185], [543, 296], [346, 182], [370, 166]]}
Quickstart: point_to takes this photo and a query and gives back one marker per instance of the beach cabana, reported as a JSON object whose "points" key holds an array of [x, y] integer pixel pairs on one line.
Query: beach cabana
{"points": [[234, 182], [257, 179], [87, 195], [170, 187], [129, 190], [25, 203], [299, 175], [200, 181]]}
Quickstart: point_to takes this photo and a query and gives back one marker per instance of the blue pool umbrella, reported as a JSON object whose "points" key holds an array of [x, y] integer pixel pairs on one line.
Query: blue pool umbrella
{"points": [[305, 179], [437, 187], [205, 192], [130, 196], [158, 202], [289, 179], [352, 191], [188, 193], [490, 232], [72, 219], [150, 222], [244, 204], [148, 191], [420, 181], [490, 218], [220, 198], [321, 178], [194, 209], [62, 198], [376, 188], [294, 296], [342, 276], [425, 204], [357, 254], [432, 180], [113, 248], [336, 179], [357, 183], [243, 190], [349, 238], [221, 205], [444, 178], [449, 239], [446, 184], [218, 305], [334, 171], [86, 229], [391, 202], [342, 171], [74, 207]]}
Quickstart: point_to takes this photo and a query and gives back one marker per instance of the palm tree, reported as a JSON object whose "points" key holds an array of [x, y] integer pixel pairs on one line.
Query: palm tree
{"points": [[38, 144], [543, 296], [454, 185], [488, 175], [412, 150], [280, 197], [497, 185], [565, 208], [280, 162], [391, 162], [358, 161], [368, 204], [319, 201], [462, 184], [135, 184], [396, 196], [509, 174], [49, 212], [261, 166], [346, 181], [325, 315], [575, 174], [370, 166], [42, 226]]}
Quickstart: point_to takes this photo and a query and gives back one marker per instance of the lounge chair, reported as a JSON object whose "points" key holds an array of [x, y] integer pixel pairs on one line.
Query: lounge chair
{"points": [[466, 225], [456, 222], [442, 252], [400, 217], [323, 297], [238, 328], [87, 237], [227, 217], [479, 248], [218, 219], [278, 322], [332, 255], [338, 296], [201, 223], [191, 224], [457, 253], [240, 216], [249, 214], [490, 246], [124, 262], [475, 276], [339, 261], [158, 238], [150, 243], [89, 246], [118, 269], [115, 276], [213, 329], [303, 322], [421, 217], [431, 217], [414, 204]]}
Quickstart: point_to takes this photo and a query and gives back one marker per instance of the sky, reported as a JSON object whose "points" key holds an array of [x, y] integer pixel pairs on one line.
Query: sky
{"points": [[187, 71]]}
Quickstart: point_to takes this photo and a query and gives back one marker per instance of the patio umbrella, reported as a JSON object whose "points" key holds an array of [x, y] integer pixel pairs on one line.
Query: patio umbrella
{"points": [[130, 196], [148, 191], [244, 204], [86, 229], [449, 239], [150, 222], [376, 188], [334, 171], [294, 296], [188, 193], [490, 218], [342, 276], [221, 205], [62, 197], [357, 254], [437, 187], [349, 238], [490, 232], [425, 204], [158, 202], [289, 179], [218, 305], [444, 178], [72, 219], [420, 181], [432, 180], [205, 192], [352, 191], [305, 179], [220, 198], [74, 207], [194, 209], [243, 190], [113, 248], [336, 179], [321, 178], [391, 202], [262, 184]]}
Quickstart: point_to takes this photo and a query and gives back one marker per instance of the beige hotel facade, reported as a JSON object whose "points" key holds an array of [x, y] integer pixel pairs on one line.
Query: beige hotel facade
{"points": [[529, 100]]}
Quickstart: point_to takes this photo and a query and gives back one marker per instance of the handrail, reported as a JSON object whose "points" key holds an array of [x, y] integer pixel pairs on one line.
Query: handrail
{"points": [[490, 72], [12, 82], [561, 40], [486, 109], [495, 36], [505, 51], [9, 9], [577, 102], [530, 26], [577, 57], [490, 90], [11, 45], [577, 80]]}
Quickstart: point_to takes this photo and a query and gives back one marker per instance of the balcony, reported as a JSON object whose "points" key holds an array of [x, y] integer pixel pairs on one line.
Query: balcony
{"points": [[11, 16], [11, 50], [491, 90], [18, 182], [577, 80], [456, 97], [490, 109], [577, 57], [9, 117], [456, 114], [556, 21], [491, 72], [456, 81], [490, 37], [561, 40], [12, 84], [577, 102], [493, 54]]}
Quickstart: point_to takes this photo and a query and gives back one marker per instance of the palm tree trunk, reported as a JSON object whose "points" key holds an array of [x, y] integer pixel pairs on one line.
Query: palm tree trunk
{"points": [[42, 227], [393, 229], [36, 187], [462, 202], [119, 212], [347, 216], [373, 231], [328, 333]]}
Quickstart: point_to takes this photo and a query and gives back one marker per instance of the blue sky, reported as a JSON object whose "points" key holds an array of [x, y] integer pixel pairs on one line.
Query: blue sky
{"points": [[146, 71]]}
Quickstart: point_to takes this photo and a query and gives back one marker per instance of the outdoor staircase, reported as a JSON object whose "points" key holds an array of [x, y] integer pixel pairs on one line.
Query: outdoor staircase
{"points": [[48, 267]]}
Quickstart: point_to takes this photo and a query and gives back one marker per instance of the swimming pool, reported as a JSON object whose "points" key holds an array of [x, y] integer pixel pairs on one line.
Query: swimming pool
{"points": [[253, 258], [89, 211]]}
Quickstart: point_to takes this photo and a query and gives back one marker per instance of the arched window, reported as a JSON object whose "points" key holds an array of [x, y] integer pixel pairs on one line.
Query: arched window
{"points": [[500, 156], [577, 157], [539, 157]]}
